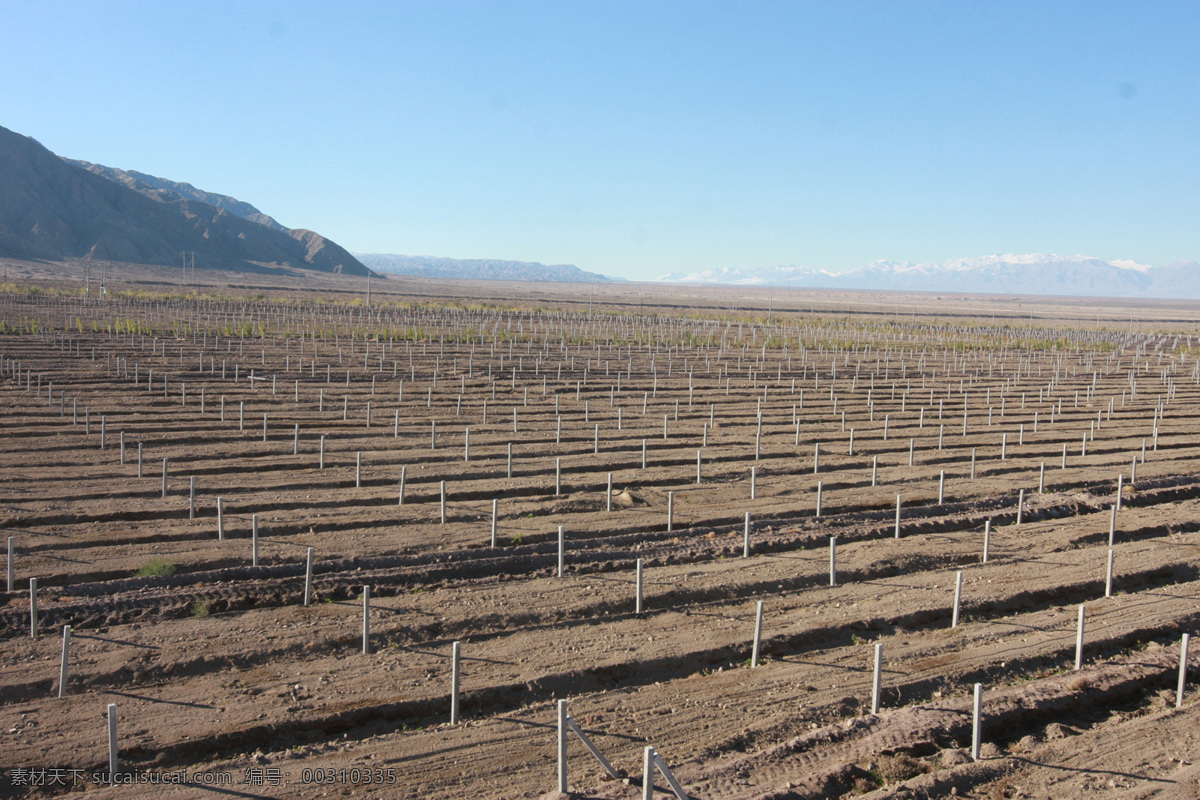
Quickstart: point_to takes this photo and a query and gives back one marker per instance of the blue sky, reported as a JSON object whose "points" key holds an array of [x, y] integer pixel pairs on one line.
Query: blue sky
{"points": [[640, 138]]}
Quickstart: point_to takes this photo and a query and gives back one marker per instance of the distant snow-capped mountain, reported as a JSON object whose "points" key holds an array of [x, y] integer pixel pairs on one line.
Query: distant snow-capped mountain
{"points": [[1034, 273]]}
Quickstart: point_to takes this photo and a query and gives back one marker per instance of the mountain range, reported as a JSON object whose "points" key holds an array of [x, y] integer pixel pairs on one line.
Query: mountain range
{"points": [[1036, 273], [51, 208], [478, 269]]}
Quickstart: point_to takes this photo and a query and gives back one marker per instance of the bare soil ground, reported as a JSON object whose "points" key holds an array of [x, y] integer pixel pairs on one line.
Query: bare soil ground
{"points": [[218, 669]]}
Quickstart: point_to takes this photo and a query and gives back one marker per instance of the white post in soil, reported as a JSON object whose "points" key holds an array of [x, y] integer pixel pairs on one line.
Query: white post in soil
{"points": [[957, 598], [308, 572], [758, 616], [562, 746], [1108, 575], [987, 538], [113, 766], [562, 546], [876, 683], [746, 538], [443, 501], [819, 488], [220, 518], [33, 609], [1079, 640], [833, 561], [494, 504], [455, 657], [366, 620], [638, 591], [62, 666], [1183, 665], [670, 511], [897, 516], [976, 720], [648, 773]]}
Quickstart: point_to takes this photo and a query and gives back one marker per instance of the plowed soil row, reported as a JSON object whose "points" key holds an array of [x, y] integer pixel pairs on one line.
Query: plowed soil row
{"points": [[215, 664]]}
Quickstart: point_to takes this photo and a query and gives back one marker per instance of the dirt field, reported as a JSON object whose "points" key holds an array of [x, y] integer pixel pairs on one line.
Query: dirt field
{"points": [[740, 431]]}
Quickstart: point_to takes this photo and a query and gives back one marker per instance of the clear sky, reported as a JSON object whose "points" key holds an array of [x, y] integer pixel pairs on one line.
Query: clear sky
{"points": [[640, 138]]}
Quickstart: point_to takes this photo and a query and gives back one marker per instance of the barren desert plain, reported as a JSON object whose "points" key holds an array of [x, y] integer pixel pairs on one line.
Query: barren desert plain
{"points": [[498, 462]]}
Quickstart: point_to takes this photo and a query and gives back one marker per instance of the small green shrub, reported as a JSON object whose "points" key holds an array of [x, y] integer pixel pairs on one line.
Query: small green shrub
{"points": [[155, 567], [201, 608]]}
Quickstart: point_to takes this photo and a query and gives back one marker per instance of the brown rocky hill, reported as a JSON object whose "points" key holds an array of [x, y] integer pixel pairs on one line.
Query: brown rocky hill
{"points": [[163, 189], [50, 209]]}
